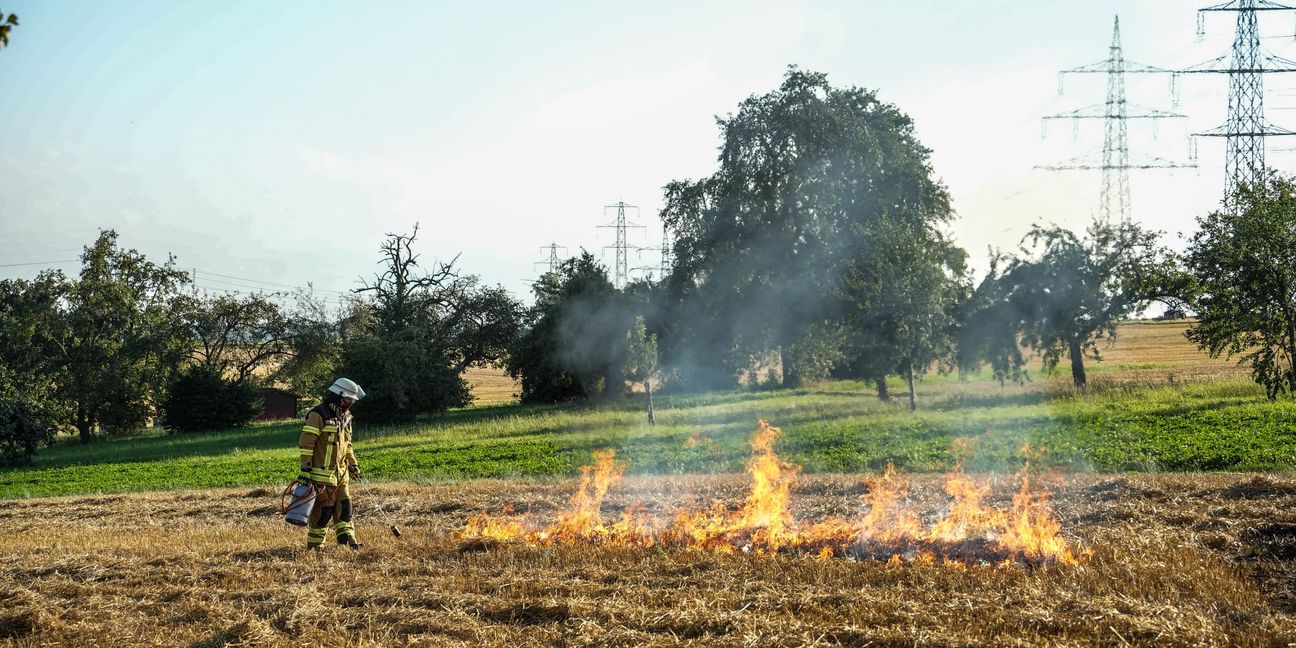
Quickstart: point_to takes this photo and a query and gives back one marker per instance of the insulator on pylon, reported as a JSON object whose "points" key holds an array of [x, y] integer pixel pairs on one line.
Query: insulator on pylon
{"points": [[1174, 89], [1075, 129], [1061, 76], [1201, 26]]}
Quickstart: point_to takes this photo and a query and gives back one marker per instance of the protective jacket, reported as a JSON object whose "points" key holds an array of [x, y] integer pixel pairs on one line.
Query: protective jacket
{"points": [[326, 439]]}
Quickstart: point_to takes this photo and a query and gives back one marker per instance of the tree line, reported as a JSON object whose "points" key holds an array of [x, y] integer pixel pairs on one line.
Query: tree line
{"points": [[817, 246]]}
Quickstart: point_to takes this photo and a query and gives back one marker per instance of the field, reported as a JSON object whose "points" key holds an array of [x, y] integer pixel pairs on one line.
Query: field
{"points": [[174, 540], [1177, 560]]}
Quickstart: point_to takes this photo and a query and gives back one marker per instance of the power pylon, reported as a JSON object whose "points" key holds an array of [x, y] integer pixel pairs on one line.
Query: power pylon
{"points": [[1115, 113], [663, 266], [1245, 129], [622, 246], [553, 261]]}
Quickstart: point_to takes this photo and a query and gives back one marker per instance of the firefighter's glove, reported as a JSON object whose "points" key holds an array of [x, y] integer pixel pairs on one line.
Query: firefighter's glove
{"points": [[354, 471]]}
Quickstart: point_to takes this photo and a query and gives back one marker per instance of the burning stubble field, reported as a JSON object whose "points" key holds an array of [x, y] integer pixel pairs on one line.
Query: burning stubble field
{"points": [[1169, 559]]}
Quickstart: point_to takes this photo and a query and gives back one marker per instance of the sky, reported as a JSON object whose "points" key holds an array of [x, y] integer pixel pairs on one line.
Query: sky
{"points": [[272, 145]]}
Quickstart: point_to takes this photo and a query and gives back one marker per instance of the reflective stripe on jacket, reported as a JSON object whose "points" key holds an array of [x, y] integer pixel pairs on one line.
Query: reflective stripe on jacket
{"points": [[326, 439]]}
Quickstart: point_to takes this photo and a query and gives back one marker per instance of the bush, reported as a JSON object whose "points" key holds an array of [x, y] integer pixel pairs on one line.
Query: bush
{"points": [[28, 419], [403, 374], [201, 399]]}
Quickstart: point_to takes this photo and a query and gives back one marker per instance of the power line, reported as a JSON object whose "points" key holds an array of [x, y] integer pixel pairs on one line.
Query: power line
{"points": [[15, 265]]}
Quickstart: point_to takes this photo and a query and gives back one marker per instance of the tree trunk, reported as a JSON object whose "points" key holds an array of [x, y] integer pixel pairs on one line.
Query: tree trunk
{"points": [[85, 427], [1077, 365], [909, 374], [884, 394], [791, 375], [652, 420]]}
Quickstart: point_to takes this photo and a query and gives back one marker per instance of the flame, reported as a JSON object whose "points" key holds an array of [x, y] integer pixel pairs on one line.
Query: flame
{"points": [[888, 530]]}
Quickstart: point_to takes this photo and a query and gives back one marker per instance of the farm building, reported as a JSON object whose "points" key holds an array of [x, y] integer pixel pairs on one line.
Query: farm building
{"points": [[278, 404]]}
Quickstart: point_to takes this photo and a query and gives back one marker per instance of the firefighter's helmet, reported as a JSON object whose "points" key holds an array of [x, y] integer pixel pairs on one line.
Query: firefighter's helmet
{"points": [[347, 388]]}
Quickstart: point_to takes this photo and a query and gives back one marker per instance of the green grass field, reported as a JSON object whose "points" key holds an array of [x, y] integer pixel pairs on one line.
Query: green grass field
{"points": [[1218, 424]]}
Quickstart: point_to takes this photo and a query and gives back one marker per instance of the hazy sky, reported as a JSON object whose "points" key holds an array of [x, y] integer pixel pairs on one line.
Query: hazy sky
{"points": [[277, 142]]}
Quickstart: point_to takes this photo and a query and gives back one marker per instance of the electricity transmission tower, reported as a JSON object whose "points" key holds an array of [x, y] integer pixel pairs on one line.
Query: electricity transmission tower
{"points": [[1115, 113], [553, 261], [1245, 128], [663, 266], [622, 247]]}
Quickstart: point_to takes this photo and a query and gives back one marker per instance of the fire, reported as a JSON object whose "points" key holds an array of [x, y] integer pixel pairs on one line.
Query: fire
{"points": [[888, 529]]}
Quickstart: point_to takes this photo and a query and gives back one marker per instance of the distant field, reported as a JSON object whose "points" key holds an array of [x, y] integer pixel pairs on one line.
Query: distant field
{"points": [[492, 386]]}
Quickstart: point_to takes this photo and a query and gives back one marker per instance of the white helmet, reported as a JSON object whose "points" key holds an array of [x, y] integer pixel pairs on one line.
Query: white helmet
{"points": [[347, 388]]}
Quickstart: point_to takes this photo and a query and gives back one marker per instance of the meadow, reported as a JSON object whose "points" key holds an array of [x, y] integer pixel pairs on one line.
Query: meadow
{"points": [[1154, 404]]}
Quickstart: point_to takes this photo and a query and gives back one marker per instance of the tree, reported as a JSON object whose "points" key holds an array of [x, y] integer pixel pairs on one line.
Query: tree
{"points": [[423, 333], [902, 299], [29, 417], [1071, 296], [483, 323], [7, 23], [574, 347], [235, 336], [641, 360], [315, 343], [806, 172], [117, 338], [202, 398], [1244, 262], [28, 313]]}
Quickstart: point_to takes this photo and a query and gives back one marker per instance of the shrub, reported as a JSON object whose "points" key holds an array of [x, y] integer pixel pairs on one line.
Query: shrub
{"points": [[28, 418], [404, 374], [201, 399]]}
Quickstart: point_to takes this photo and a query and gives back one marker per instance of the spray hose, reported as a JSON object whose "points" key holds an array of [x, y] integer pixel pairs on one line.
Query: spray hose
{"points": [[285, 498]]}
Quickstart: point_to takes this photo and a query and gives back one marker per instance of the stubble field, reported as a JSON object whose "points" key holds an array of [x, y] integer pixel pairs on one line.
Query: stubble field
{"points": [[1187, 559]]}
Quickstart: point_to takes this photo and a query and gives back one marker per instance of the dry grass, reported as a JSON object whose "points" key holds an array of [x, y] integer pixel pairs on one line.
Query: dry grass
{"points": [[492, 386], [1178, 560]]}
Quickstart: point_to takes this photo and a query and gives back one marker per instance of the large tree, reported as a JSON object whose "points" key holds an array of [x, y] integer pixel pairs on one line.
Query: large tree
{"points": [[118, 338], [1066, 293], [234, 336], [427, 327], [575, 344], [806, 172], [1244, 262], [901, 300]]}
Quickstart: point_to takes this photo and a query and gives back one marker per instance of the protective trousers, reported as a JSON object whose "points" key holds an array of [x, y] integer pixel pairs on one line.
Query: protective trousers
{"points": [[333, 506]]}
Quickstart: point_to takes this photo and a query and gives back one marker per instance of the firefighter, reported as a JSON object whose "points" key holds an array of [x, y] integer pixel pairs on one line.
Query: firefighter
{"points": [[328, 463]]}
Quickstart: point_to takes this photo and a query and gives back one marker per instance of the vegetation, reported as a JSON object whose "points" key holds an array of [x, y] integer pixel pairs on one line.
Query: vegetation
{"points": [[1068, 298], [816, 186], [422, 331], [1225, 424], [1244, 261], [201, 399], [574, 347], [641, 360], [28, 418], [7, 23]]}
